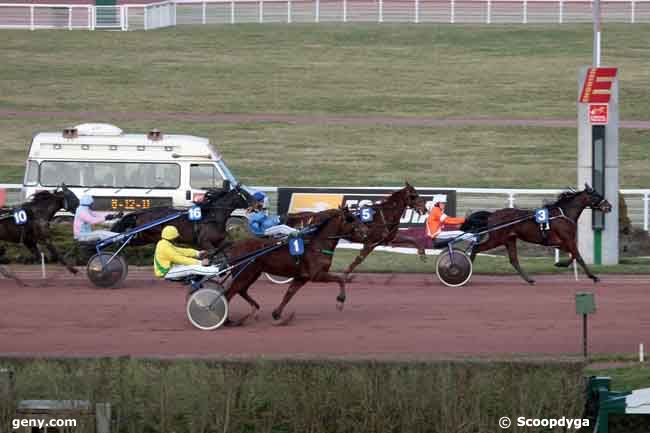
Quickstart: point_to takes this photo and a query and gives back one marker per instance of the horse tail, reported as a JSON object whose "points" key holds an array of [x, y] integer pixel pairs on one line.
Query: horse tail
{"points": [[125, 223], [476, 221]]}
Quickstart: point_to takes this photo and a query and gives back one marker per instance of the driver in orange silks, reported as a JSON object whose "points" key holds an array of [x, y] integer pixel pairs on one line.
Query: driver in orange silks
{"points": [[438, 219]]}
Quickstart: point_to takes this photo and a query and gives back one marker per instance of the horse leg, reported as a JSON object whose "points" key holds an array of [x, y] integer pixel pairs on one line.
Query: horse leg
{"points": [[291, 290], [573, 249], [511, 246], [367, 249], [55, 256], [239, 286], [6, 273], [411, 241], [326, 277]]}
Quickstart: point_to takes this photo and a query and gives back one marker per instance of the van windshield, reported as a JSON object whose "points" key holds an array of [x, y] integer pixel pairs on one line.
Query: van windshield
{"points": [[110, 174]]}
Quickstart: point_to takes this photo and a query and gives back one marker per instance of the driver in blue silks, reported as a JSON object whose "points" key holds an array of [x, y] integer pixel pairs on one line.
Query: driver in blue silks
{"points": [[262, 224]]}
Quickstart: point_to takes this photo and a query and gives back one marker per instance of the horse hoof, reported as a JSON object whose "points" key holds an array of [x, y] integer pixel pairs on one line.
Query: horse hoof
{"points": [[596, 279], [284, 322], [531, 282]]}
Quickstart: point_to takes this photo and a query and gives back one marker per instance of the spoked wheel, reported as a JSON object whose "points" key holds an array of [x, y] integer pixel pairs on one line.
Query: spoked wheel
{"points": [[207, 308], [278, 279], [105, 272], [456, 272]]}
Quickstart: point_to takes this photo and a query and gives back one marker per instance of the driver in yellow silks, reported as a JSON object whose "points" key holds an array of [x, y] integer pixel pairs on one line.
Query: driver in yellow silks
{"points": [[174, 263]]}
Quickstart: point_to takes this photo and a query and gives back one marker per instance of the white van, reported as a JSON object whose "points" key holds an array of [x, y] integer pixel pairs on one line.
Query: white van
{"points": [[125, 172]]}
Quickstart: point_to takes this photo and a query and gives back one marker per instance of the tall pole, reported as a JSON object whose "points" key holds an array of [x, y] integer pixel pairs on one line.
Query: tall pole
{"points": [[596, 59]]}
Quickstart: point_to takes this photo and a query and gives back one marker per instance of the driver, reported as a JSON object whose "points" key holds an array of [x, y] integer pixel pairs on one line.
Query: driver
{"points": [[174, 263], [438, 219], [262, 224], [84, 219]]}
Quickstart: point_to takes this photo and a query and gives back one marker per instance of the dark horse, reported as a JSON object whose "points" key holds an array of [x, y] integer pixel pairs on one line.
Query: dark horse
{"points": [[563, 224], [216, 208], [330, 226], [38, 212], [384, 228]]}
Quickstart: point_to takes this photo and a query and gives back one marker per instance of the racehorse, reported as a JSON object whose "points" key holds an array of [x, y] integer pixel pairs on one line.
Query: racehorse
{"points": [[216, 207], [29, 224], [313, 265], [520, 224], [384, 227]]}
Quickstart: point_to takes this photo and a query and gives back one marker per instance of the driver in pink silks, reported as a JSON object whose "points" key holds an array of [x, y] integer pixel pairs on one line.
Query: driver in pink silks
{"points": [[84, 219]]}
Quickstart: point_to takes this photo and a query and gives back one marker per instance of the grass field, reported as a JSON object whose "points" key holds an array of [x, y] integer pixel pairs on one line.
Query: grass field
{"points": [[402, 70], [431, 70], [324, 155]]}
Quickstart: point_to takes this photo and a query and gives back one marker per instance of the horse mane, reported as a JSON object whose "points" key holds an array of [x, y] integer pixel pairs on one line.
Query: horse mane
{"points": [[564, 197], [41, 196]]}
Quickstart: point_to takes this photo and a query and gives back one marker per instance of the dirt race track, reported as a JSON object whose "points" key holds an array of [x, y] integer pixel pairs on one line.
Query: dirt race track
{"points": [[385, 315]]}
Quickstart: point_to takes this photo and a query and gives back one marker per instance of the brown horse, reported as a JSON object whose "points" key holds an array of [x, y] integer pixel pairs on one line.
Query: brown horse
{"points": [[563, 224], [37, 213], [384, 228], [313, 265], [216, 207]]}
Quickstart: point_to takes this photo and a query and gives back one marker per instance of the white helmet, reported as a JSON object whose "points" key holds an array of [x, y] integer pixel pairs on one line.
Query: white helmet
{"points": [[439, 198]]}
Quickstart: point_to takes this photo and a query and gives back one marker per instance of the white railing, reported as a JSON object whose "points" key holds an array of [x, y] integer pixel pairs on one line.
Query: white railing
{"points": [[409, 11], [171, 13], [472, 199], [87, 17]]}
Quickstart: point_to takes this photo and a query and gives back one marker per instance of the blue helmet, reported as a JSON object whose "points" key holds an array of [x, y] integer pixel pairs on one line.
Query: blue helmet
{"points": [[259, 196], [86, 200]]}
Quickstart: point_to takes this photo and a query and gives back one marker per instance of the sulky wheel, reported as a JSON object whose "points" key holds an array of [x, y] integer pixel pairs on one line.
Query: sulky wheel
{"points": [[456, 272], [207, 308], [106, 271], [278, 279]]}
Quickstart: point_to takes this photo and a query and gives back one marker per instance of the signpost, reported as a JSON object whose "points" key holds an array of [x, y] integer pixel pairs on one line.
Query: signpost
{"points": [[598, 161], [585, 305]]}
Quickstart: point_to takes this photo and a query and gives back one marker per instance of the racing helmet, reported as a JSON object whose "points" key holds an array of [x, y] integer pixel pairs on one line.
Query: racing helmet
{"points": [[259, 196], [439, 198], [170, 233], [86, 200]]}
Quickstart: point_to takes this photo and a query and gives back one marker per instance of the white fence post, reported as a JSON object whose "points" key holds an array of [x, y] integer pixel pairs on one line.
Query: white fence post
{"points": [[261, 18], [561, 14], [511, 199], [381, 11], [205, 5], [417, 11], [345, 11], [288, 11], [145, 18], [31, 18], [525, 12], [126, 17], [646, 208], [632, 11], [488, 18], [69, 18], [232, 11], [317, 12]]}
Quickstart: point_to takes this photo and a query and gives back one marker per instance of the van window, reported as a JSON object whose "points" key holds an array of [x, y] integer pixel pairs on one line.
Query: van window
{"points": [[31, 173], [111, 174], [204, 176]]}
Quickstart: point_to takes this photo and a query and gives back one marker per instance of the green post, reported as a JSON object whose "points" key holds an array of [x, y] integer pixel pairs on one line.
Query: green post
{"points": [[598, 246]]}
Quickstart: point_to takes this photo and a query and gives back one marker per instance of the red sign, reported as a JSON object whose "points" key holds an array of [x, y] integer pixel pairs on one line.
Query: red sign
{"points": [[598, 114], [598, 84]]}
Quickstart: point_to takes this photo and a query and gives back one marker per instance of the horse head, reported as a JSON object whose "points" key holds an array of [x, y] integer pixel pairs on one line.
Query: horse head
{"points": [[413, 200], [70, 201], [595, 200]]}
